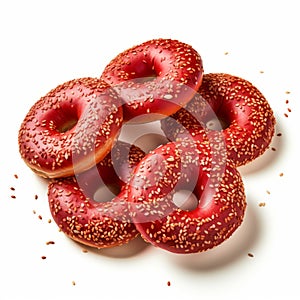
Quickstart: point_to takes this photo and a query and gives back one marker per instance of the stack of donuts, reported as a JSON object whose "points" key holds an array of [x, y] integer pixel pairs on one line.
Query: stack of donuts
{"points": [[71, 136]]}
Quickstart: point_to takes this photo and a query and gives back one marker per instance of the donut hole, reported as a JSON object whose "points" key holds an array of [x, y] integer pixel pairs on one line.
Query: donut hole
{"points": [[145, 79], [106, 193], [62, 119], [185, 200], [141, 70], [68, 125], [217, 124]]}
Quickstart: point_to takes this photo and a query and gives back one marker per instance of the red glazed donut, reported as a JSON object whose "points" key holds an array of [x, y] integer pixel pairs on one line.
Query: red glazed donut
{"points": [[73, 126], [249, 119], [155, 78], [97, 224], [179, 166]]}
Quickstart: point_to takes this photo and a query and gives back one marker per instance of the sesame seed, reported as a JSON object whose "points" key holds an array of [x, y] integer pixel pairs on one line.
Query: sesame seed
{"points": [[50, 243]]}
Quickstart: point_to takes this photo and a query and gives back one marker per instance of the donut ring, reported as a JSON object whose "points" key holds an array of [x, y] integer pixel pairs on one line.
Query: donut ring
{"points": [[80, 217], [74, 125], [218, 188], [155, 78], [237, 103]]}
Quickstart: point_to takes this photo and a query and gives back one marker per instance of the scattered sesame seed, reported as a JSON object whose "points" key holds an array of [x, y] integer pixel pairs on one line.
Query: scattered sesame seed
{"points": [[50, 243], [279, 134], [16, 176], [226, 53], [36, 197], [73, 282], [273, 149], [49, 221], [268, 192], [40, 217], [13, 196], [168, 283], [12, 188], [250, 254], [85, 251], [286, 115], [43, 257], [281, 174], [262, 204]]}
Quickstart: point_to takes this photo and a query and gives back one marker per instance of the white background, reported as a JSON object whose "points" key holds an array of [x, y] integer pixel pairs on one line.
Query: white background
{"points": [[45, 43]]}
